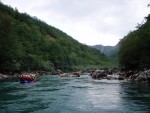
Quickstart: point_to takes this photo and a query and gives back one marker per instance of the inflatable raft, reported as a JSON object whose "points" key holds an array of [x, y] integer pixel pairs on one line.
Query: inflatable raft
{"points": [[28, 78]]}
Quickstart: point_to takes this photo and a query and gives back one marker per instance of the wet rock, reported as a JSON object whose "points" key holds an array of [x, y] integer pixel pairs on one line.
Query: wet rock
{"points": [[2, 76], [99, 74], [121, 77], [141, 76], [144, 76], [75, 74], [129, 73], [57, 72], [133, 77], [112, 77]]}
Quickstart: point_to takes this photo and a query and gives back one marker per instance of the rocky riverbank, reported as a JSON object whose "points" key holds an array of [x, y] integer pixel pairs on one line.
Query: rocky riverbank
{"points": [[143, 76], [14, 75], [138, 76], [6, 76], [40, 73]]}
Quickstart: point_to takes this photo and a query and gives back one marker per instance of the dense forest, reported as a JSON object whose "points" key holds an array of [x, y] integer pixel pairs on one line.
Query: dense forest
{"points": [[27, 43], [134, 50]]}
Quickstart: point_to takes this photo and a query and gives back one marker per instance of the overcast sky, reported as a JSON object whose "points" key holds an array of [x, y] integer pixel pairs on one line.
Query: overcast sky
{"points": [[90, 22]]}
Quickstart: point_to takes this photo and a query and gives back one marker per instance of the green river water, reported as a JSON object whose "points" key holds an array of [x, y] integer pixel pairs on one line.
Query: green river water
{"points": [[54, 94]]}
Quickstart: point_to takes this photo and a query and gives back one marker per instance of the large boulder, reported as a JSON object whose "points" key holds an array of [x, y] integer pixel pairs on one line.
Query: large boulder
{"points": [[144, 76], [141, 76], [121, 77], [2, 76], [129, 73], [57, 72], [99, 74], [75, 74]]}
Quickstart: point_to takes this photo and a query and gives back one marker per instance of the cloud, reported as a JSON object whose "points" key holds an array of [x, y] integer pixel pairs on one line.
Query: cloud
{"points": [[88, 21]]}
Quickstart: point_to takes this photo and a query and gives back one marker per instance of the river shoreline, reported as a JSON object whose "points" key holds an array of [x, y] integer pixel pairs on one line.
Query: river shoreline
{"points": [[142, 77], [6, 76], [15, 75], [39, 73]]}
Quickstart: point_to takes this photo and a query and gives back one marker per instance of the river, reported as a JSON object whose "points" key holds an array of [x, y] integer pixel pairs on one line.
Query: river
{"points": [[54, 94]]}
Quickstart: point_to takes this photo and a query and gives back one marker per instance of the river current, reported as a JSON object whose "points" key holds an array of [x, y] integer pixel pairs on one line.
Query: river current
{"points": [[54, 94]]}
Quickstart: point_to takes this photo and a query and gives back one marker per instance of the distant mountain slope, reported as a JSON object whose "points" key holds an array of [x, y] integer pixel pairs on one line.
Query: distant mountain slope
{"points": [[104, 49], [110, 51], [27, 43]]}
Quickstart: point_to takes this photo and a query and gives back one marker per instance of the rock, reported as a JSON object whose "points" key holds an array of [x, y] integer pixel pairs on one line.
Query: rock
{"points": [[121, 77], [99, 74], [129, 73], [2, 76], [112, 77], [63, 75], [58, 72], [144, 76], [75, 74], [133, 77], [141, 76]]}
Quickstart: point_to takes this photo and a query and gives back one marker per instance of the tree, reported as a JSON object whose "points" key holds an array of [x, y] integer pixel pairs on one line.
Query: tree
{"points": [[134, 48], [10, 48]]}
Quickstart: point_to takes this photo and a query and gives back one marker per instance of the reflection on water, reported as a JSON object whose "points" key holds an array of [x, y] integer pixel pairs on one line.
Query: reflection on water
{"points": [[54, 94], [138, 95]]}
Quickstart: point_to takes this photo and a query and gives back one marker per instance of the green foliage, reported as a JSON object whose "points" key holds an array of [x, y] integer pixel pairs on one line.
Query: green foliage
{"points": [[27, 43], [134, 48]]}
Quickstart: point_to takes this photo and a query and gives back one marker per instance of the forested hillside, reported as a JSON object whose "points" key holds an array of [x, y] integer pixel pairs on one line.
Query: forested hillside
{"points": [[134, 50], [27, 43]]}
